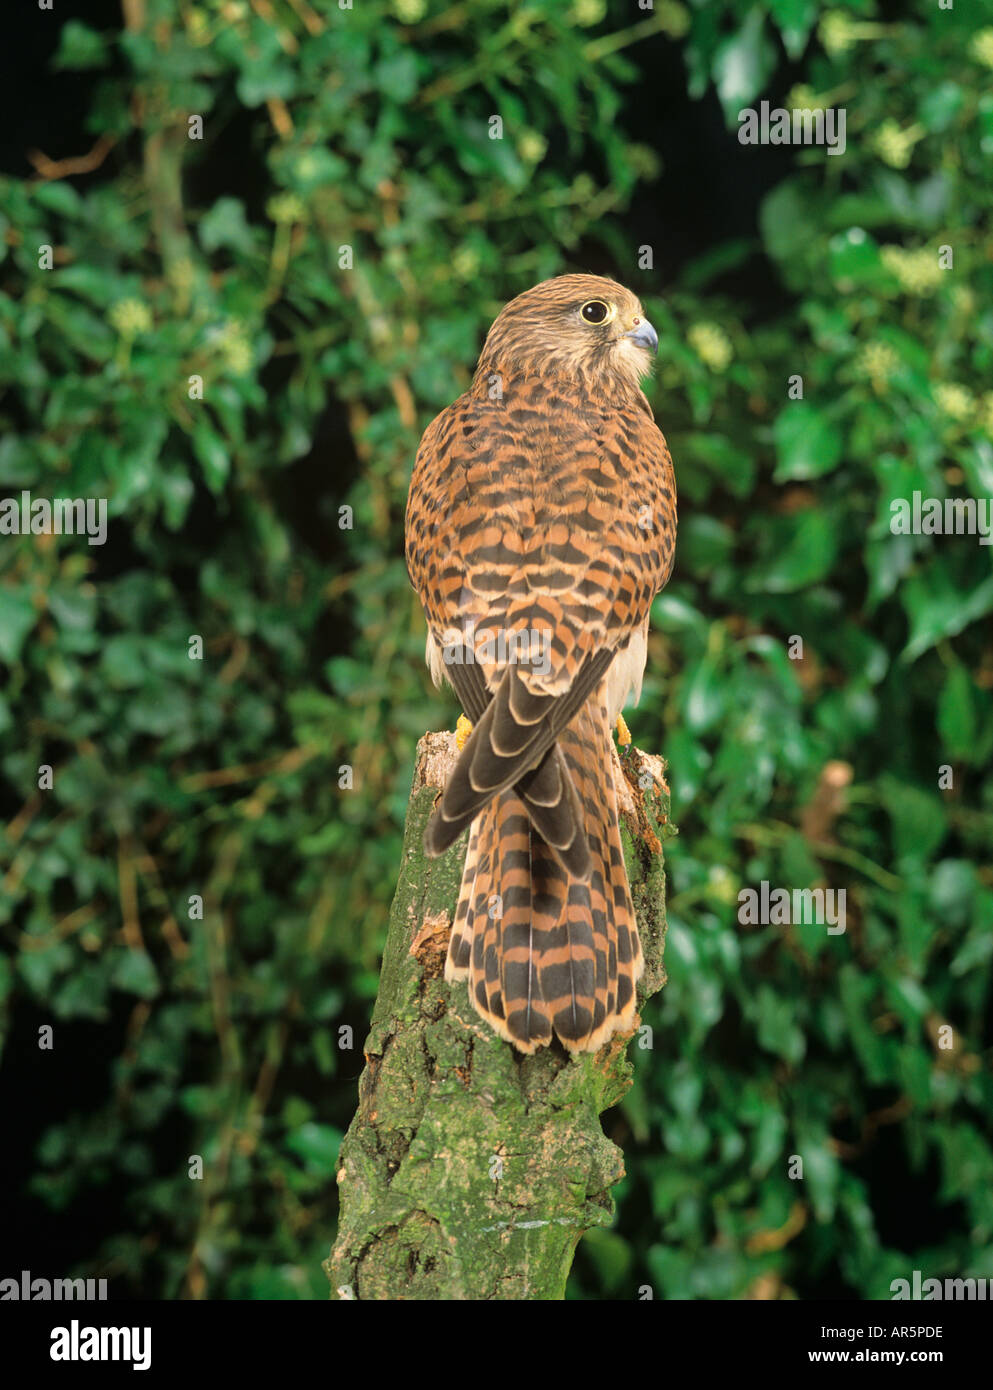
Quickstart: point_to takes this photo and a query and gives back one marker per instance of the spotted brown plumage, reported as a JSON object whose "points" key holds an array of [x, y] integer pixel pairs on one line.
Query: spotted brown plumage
{"points": [[541, 524]]}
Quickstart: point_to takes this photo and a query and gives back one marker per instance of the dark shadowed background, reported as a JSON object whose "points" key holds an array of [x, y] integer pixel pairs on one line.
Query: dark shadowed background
{"points": [[223, 259]]}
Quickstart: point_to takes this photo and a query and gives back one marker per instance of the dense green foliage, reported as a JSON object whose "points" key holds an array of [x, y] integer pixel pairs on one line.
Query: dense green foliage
{"points": [[223, 259]]}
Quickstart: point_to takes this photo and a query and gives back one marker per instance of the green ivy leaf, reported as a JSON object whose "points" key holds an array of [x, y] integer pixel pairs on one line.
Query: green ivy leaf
{"points": [[80, 47], [808, 445], [742, 65]]}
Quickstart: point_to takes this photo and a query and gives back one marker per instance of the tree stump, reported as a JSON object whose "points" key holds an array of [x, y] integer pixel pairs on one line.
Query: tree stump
{"points": [[470, 1171]]}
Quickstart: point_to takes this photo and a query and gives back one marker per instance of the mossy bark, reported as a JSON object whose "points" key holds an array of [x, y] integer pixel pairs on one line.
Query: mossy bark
{"points": [[470, 1171]]}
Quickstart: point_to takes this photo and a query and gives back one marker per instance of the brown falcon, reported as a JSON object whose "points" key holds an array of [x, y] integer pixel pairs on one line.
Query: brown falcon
{"points": [[541, 523]]}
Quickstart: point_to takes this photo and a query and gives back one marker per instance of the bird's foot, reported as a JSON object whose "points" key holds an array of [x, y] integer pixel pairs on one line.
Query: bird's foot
{"points": [[462, 731], [623, 732]]}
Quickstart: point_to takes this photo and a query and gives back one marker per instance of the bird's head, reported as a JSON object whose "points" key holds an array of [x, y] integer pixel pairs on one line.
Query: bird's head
{"points": [[580, 327]]}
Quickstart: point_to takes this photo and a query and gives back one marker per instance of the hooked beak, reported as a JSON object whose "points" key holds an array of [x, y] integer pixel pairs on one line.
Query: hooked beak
{"points": [[645, 336]]}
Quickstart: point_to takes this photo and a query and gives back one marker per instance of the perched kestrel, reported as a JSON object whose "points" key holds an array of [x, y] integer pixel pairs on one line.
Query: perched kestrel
{"points": [[541, 523]]}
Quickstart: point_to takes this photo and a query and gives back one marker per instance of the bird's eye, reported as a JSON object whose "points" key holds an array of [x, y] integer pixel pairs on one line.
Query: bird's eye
{"points": [[595, 311]]}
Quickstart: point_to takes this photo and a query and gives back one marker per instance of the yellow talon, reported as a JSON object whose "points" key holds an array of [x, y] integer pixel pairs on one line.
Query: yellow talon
{"points": [[462, 731], [623, 732]]}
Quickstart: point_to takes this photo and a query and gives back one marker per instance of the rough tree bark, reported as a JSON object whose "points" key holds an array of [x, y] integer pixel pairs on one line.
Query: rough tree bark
{"points": [[470, 1171]]}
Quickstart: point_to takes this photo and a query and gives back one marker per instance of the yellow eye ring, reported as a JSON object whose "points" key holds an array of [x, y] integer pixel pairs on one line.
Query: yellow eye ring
{"points": [[596, 312]]}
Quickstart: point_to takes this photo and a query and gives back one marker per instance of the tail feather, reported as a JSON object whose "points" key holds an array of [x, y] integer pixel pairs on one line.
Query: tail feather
{"points": [[509, 742], [544, 951], [549, 796]]}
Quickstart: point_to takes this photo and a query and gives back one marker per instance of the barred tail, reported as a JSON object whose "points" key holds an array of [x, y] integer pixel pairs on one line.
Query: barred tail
{"points": [[543, 951]]}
